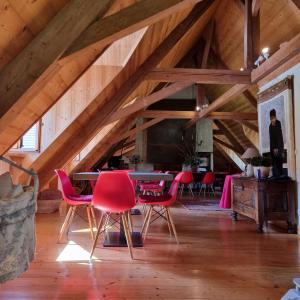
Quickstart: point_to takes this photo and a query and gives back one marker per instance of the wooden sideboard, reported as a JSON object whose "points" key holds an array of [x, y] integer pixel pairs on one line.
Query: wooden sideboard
{"points": [[264, 200]]}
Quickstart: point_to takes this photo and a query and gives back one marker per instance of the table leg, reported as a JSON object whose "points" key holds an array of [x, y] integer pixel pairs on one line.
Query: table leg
{"points": [[118, 239]]}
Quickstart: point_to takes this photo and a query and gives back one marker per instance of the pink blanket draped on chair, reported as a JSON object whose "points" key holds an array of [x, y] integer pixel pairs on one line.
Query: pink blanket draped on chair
{"points": [[225, 201]]}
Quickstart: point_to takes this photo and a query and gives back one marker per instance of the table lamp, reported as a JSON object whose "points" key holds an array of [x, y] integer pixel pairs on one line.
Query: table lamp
{"points": [[247, 156]]}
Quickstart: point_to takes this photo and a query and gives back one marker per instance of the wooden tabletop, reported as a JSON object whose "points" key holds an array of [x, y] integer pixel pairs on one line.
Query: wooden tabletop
{"points": [[143, 176]]}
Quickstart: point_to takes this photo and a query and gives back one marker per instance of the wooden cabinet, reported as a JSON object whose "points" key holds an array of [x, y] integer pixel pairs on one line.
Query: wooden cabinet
{"points": [[264, 200]]}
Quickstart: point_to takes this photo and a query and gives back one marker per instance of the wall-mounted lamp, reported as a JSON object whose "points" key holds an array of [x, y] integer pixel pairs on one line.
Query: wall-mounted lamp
{"points": [[265, 54]]}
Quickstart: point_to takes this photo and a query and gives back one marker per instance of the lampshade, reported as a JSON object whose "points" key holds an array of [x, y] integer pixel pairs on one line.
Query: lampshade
{"points": [[250, 153]]}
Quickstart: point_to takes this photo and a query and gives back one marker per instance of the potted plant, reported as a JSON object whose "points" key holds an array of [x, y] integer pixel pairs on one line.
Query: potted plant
{"points": [[263, 164], [190, 162], [189, 154]]}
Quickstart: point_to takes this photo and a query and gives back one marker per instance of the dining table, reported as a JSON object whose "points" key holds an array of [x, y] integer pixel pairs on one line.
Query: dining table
{"points": [[118, 238]]}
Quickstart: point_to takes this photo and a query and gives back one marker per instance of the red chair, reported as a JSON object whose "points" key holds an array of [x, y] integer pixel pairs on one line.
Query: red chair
{"points": [[163, 202], [153, 188], [74, 200], [186, 180], [208, 182], [114, 193]]}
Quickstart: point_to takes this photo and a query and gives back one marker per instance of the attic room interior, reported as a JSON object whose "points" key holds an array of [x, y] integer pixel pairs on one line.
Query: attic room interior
{"points": [[149, 149]]}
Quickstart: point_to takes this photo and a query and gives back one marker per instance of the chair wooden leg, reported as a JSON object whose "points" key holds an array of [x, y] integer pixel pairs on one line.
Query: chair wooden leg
{"points": [[88, 211], [129, 221], [168, 221], [94, 216], [97, 236], [172, 224], [190, 188], [71, 219], [127, 234], [145, 221], [181, 190], [148, 222], [63, 227]]}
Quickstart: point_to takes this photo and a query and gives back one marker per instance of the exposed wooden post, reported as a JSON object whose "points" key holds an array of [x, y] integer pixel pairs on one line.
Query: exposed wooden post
{"points": [[248, 42]]}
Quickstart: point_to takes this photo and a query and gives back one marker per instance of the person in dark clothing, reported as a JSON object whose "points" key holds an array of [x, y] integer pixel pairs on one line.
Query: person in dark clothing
{"points": [[276, 144]]}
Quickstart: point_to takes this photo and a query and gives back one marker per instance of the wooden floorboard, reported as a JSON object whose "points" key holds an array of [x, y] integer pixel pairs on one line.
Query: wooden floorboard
{"points": [[216, 259]]}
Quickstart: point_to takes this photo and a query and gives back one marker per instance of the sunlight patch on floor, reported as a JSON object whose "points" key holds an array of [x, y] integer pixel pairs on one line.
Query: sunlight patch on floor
{"points": [[74, 253]]}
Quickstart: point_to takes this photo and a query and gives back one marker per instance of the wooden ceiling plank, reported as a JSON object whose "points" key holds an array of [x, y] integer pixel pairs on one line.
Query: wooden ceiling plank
{"points": [[255, 7], [219, 102], [128, 20], [287, 52], [248, 41], [146, 101], [240, 5], [35, 64], [206, 76], [208, 44], [66, 146], [297, 3]]}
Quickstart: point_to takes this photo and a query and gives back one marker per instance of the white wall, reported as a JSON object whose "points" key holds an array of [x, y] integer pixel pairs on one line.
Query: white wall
{"points": [[295, 71]]}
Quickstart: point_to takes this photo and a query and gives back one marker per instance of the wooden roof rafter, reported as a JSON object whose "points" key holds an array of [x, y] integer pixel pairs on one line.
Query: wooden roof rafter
{"points": [[111, 102], [22, 78], [38, 84]]}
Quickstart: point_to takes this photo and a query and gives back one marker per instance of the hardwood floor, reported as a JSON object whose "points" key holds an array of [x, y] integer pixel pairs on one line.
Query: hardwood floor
{"points": [[216, 259]]}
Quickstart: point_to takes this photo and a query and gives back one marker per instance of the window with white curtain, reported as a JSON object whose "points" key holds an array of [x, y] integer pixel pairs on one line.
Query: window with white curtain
{"points": [[30, 140]]}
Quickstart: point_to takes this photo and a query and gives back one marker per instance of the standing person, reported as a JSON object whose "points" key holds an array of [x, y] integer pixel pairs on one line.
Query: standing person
{"points": [[276, 144]]}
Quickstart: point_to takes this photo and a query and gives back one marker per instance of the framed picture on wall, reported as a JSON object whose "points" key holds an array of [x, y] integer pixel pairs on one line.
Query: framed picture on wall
{"points": [[277, 103]]}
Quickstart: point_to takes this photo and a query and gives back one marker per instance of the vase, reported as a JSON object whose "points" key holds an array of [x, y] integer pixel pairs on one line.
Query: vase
{"points": [[264, 171], [250, 171], [186, 168]]}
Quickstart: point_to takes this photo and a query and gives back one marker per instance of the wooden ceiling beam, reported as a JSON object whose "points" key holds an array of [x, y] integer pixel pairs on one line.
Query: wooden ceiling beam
{"points": [[206, 76], [36, 64], [218, 132], [248, 37], [229, 146], [103, 146], [239, 148], [128, 20], [171, 114], [286, 52], [248, 124], [251, 99], [146, 101], [219, 102], [135, 131], [88, 123]]}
